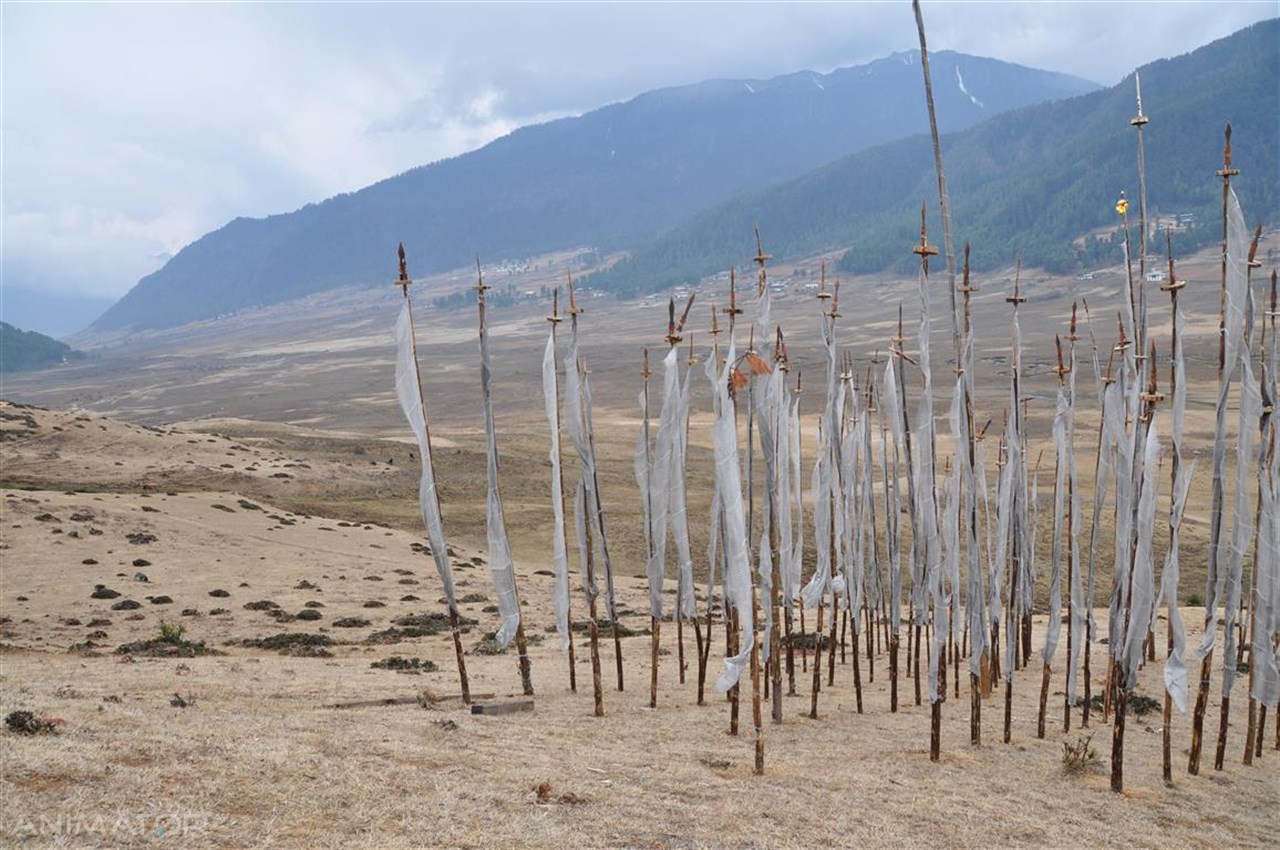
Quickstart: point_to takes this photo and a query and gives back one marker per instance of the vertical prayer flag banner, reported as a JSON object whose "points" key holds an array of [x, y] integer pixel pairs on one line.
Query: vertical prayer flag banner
{"points": [[501, 569], [409, 394], [737, 577], [559, 553], [1236, 295]]}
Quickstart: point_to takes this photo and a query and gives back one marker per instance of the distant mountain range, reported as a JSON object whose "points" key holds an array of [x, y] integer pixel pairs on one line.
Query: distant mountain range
{"points": [[1026, 183], [613, 178]]}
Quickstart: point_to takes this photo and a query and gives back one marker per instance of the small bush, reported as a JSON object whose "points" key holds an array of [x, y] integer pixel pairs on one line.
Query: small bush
{"points": [[606, 628], [397, 634], [808, 640], [488, 645], [294, 644], [161, 648], [26, 723], [261, 605], [412, 666], [1080, 755]]}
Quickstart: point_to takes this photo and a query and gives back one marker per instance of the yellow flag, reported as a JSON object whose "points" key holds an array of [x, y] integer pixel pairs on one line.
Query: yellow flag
{"points": [[1122, 206]]}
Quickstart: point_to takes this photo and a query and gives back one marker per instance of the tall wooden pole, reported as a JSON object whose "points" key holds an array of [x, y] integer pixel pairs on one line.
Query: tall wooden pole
{"points": [[403, 282], [584, 502], [704, 654], [799, 514], [655, 624], [1072, 566], [1252, 623], [1216, 506], [522, 647], [1173, 286], [1060, 469], [555, 319], [733, 311], [1017, 484]]}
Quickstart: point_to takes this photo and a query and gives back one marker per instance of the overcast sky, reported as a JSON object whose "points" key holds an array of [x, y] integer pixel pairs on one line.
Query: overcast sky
{"points": [[131, 130]]}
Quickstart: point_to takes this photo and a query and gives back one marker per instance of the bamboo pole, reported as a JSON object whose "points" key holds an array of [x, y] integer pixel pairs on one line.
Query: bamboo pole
{"points": [[775, 566], [733, 311], [916, 626], [1018, 505], [1139, 122], [585, 501], [757, 718], [963, 352], [555, 319], [892, 509], [790, 603], [1173, 287], [1099, 495], [771, 497], [704, 653], [734, 703], [403, 282], [690, 361], [1245, 352], [655, 623], [870, 500], [522, 647], [597, 508], [1216, 506], [1252, 623], [1061, 371], [593, 622], [1072, 338]]}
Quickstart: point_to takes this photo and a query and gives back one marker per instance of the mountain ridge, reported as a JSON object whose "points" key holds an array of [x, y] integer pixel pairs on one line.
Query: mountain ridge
{"points": [[1026, 182], [613, 177]]}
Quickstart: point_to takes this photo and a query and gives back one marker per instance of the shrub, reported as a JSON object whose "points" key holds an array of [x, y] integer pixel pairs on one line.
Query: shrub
{"points": [[405, 665], [1080, 755], [26, 723]]}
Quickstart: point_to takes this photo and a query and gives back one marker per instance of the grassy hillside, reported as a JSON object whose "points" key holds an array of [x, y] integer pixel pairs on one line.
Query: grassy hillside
{"points": [[1027, 183]]}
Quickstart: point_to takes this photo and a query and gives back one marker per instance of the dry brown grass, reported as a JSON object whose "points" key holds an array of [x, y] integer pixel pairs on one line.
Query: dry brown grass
{"points": [[258, 759]]}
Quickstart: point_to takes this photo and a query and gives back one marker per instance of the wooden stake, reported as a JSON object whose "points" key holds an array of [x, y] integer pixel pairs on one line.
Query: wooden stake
{"points": [[817, 661], [1117, 741], [403, 282], [757, 718], [732, 622]]}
